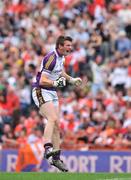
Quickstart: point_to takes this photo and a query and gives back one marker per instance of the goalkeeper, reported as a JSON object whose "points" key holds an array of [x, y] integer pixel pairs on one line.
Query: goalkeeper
{"points": [[50, 77]]}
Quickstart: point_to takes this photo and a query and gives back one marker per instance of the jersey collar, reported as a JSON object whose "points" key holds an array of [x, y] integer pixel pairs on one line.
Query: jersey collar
{"points": [[57, 53]]}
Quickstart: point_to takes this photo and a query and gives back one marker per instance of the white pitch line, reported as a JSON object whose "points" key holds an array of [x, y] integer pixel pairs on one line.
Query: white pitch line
{"points": [[116, 179]]}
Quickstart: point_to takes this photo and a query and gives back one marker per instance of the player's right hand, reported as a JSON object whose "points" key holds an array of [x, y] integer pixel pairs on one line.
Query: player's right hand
{"points": [[60, 82]]}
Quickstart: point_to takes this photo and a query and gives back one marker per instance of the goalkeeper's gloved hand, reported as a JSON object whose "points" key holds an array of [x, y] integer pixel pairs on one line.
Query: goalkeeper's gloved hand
{"points": [[75, 81], [60, 82]]}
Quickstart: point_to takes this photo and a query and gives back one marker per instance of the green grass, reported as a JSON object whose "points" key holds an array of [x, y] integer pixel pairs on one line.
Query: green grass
{"points": [[65, 176]]}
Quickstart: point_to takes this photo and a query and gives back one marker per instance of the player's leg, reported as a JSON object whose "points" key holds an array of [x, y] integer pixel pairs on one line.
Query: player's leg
{"points": [[56, 131], [48, 110], [43, 100], [56, 160]]}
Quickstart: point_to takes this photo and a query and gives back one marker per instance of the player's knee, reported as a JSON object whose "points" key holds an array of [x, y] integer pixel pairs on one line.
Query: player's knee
{"points": [[56, 128], [53, 119]]}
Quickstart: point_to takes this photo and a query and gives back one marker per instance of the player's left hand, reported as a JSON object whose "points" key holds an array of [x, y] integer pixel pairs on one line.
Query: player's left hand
{"points": [[76, 81]]}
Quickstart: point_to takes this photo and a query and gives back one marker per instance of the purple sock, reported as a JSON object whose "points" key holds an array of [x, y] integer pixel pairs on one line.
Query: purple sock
{"points": [[57, 156], [48, 146]]}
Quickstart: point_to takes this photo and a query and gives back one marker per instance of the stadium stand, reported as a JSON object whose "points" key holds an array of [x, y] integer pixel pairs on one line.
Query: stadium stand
{"points": [[96, 115]]}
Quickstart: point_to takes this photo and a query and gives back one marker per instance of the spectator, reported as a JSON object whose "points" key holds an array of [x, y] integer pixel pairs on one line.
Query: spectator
{"points": [[96, 113]]}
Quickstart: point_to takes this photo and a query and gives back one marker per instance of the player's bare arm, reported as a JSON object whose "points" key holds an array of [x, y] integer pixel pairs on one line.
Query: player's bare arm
{"points": [[75, 81], [46, 82]]}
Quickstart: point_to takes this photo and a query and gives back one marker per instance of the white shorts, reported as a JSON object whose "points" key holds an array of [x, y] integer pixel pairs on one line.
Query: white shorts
{"points": [[41, 96]]}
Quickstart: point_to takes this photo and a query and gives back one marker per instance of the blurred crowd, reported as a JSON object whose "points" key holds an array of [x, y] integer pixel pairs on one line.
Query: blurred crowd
{"points": [[95, 115]]}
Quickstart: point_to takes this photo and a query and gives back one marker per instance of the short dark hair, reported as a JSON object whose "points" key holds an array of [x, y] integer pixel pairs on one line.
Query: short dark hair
{"points": [[61, 39], [68, 38]]}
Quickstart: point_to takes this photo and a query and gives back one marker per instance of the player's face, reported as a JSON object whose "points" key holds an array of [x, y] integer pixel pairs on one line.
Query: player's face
{"points": [[67, 48]]}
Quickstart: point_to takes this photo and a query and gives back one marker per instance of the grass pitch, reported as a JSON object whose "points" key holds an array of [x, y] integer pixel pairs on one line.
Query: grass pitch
{"points": [[65, 176]]}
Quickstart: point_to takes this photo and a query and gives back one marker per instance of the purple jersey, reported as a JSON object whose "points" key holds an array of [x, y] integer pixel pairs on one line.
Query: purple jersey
{"points": [[52, 66]]}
